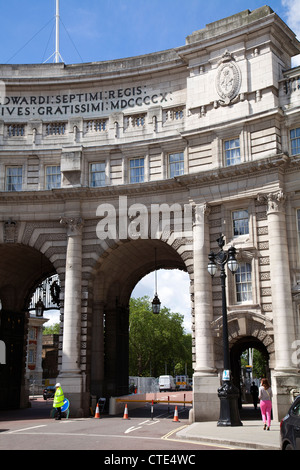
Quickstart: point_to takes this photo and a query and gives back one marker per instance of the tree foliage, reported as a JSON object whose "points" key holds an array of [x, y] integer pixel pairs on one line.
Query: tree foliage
{"points": [[51, 330], [157, 341]]}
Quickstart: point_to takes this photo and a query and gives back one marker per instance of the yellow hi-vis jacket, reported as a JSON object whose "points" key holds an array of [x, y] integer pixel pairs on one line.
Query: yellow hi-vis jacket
{"points": [[58, 398]]}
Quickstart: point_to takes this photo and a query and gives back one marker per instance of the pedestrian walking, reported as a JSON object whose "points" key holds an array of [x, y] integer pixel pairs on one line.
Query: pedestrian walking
{"points": [[254, 393], [265, 396], [58, 400]]}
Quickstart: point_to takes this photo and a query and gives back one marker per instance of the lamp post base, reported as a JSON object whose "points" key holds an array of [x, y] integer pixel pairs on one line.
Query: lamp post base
{"points": [[229, 411]]}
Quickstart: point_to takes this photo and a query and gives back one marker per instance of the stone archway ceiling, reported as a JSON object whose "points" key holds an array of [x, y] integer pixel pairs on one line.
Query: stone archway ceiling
{"points": [[21, 269], [130, 262]]}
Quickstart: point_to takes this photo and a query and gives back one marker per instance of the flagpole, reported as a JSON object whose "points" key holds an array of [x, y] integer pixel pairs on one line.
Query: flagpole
{"points": [[57, 54]]}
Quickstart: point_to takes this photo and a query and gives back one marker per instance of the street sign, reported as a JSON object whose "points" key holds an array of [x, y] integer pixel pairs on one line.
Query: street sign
{"points": [[66, 405], [226, 375]]}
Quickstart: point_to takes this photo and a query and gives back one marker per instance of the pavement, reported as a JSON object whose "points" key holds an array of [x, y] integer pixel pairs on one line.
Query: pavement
{"points": [[250, 436]]}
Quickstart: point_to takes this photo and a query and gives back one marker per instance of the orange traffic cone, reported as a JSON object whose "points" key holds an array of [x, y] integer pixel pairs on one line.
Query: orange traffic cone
{"points": [[125, 413], [176, 414], [97, 414]]}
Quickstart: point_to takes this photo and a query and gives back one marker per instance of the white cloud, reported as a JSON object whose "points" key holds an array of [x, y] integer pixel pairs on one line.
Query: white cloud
{"points": [[173, 288], [293, 20]]}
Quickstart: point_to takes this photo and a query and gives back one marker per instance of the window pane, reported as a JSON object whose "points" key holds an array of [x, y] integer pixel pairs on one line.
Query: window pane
{"points": [[176, 164], [240, 221], [243, 281], [295, 141], [137, 170], [232, 152], [97, 175], [53, 177], [14, 179]]}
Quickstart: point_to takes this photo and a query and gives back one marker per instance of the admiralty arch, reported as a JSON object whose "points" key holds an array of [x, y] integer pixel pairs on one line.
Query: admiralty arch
{"points": [[93, 155]]}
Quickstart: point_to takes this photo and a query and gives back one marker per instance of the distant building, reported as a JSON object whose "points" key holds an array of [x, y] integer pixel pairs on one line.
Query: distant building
{"points": [[50, 356], [34, 368]]}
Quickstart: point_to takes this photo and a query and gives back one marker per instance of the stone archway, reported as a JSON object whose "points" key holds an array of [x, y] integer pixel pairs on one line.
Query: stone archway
{"points": [[246, 329], [115, 277], [21, 269], [244, 324]]}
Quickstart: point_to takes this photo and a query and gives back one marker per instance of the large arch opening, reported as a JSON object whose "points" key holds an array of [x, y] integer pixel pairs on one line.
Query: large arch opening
{"points": [[116, 277], [244, 374], [22, 268]]}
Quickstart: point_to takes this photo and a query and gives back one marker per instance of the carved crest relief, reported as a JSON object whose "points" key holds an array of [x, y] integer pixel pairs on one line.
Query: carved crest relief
{"points": [[228, 80]]}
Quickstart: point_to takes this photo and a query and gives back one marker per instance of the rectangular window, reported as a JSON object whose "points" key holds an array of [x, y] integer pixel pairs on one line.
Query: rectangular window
{"points": [[232, 152], [240, 220], [97, 175], [14, 178], [16, 130], [53, 177], [137, 171], [56, 128], [243, 283], [295, 141], [31, 356], [176, 164]]}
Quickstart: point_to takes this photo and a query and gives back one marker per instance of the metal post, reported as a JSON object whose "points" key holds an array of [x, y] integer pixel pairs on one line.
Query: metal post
{"points": [[227, 393], [224, 320], [57, 33]]}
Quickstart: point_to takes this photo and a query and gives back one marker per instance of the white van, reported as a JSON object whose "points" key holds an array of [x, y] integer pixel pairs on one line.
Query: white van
{"points": [[166, 383]]}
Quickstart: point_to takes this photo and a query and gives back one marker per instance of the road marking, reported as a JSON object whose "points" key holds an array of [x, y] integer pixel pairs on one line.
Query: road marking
{"points": [[133, 428], [167, 437], [26, 429]]}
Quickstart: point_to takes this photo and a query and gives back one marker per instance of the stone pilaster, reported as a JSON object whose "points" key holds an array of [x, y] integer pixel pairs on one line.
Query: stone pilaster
{"points": [[70, 374], [205, 380], [284, 331], [284, 375]]}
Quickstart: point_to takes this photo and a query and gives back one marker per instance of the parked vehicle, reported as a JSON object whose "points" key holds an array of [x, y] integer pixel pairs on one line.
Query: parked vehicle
{"points": [[182, 382], [49, 392], [166, 383], [290, 428]]}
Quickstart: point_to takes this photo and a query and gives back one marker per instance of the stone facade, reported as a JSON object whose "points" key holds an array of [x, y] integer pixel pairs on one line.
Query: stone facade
{"points": [[210, 130]]}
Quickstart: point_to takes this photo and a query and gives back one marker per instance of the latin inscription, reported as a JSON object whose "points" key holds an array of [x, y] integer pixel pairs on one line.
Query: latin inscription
{"points": [[89, 103]]}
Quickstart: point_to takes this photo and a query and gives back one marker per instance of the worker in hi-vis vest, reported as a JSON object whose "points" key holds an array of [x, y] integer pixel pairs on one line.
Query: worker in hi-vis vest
{"points": [[58, 400]]}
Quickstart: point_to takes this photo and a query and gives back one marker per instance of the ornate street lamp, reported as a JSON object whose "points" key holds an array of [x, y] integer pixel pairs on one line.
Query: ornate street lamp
{"points": [[39, 308], [155, 302], [228, 393]]}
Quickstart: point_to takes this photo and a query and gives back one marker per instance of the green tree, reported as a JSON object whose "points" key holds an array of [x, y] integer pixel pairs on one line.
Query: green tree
{"points": [[51, 330], [156, 340], [259, 363]]}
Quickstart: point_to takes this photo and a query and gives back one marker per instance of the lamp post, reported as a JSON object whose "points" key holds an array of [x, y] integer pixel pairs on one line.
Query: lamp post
{"points": [[155, 302], [228, 393]]}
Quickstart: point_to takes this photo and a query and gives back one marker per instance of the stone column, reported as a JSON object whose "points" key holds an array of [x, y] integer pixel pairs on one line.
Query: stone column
{"points": [[285, 374], [206, 381], [70, 374], [97, 364]]}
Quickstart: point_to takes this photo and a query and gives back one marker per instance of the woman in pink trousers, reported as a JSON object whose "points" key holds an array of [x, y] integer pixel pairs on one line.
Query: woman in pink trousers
{"points": [[265, 396]]}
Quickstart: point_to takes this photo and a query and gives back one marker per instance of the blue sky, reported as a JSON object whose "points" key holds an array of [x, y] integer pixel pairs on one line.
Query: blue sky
{"points": [[96, 30]]}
